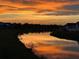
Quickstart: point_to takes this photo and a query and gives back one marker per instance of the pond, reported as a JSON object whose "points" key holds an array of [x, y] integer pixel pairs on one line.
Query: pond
{"points": [[50, 47]]}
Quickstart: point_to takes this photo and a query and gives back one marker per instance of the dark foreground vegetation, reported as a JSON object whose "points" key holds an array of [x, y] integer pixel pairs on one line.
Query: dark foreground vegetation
{"points": [[12, 48], [70, 35], [67, 31]]}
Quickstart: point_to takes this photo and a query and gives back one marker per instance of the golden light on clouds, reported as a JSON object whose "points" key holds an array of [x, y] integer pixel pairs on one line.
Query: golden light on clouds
{"points": [[38, 5], [32, 11], [35, 18]]}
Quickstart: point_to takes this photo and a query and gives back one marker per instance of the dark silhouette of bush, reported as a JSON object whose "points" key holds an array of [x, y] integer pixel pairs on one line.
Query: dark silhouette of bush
{"points": [[12, 48], [69, 35]]}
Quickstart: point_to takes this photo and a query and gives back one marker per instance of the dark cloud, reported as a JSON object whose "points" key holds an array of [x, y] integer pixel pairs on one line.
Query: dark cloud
{"points": [[20, 9], [45, 11], [61, 0], [26, 8], [61, 12], [9, 15], [67, 13], [7, 6], [48, 7], [13, 0], [72, 7], [14, 8], [28, 2]]}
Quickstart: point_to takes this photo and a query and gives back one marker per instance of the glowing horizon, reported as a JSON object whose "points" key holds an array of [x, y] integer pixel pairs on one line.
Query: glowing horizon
{"points": [[48, 11]]}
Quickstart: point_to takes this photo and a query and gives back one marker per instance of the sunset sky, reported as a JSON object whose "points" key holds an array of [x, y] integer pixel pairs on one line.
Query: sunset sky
{"points": [[39, 11]]}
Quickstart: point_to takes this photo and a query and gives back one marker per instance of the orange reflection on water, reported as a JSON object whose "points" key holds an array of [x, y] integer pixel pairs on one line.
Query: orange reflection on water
{"points": [[47, 49], [55, 52]]}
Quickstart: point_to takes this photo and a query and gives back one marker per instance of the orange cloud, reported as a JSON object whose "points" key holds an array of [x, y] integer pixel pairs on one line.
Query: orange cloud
{"points": [[38, 5]]}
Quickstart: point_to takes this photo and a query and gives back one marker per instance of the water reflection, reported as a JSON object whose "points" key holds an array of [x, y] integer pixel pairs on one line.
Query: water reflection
{"points": [[50, 47]]}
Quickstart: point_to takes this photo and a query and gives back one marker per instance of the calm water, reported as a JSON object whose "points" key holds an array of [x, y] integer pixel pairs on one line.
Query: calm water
{"points": [[50, 47]]}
